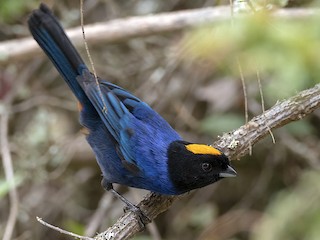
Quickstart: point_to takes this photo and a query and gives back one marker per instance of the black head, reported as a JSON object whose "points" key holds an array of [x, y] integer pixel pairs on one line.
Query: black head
{"points": [[194, 166]]}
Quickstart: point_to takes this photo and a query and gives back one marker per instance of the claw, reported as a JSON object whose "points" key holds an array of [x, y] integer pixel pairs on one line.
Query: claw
{"points": [[141, 217]]}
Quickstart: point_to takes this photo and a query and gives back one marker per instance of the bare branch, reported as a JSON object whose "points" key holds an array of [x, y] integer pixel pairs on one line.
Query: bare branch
{"points": [[123, 29], [62, 230], [8, 170], [235, 144]]}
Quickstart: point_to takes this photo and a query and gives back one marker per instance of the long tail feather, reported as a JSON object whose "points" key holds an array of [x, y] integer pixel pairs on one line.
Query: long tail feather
{"points": [[51, 37]]}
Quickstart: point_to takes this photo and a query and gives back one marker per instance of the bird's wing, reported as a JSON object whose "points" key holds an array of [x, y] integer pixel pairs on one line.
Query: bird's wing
{"points": [[115, 107]]}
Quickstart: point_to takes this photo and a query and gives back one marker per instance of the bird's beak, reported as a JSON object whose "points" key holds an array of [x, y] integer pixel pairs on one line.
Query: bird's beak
{"points": [[229, 172]]}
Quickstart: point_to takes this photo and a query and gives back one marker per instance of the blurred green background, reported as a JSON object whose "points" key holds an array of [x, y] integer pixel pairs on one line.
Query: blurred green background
{"points": [[192, 78]]}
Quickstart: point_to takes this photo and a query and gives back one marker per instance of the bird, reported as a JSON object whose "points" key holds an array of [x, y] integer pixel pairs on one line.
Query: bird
{"points": [[133, 145]]}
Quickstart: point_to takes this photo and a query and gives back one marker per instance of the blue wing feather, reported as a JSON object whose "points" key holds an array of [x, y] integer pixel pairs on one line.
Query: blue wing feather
{"points": [[117, 116], [127, 117]]}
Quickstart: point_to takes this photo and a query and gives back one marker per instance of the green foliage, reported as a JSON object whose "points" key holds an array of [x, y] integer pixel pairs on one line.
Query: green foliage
{"points": [[284, 52], [11, 10], [294, 213], [74, 227], [5, 186]]}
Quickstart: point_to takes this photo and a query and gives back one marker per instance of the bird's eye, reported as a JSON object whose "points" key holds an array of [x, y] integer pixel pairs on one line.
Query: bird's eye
{"points": [[207, 167]]}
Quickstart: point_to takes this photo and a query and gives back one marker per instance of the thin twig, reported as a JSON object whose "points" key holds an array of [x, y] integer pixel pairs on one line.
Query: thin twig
{"points": [[243, 83], [262, 103], [62, 230], [89, 56], [245, 96], [244, 89], [260, 90]]}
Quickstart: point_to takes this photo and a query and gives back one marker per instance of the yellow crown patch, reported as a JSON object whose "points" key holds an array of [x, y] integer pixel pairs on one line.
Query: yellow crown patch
{"points": [[202, 149]]}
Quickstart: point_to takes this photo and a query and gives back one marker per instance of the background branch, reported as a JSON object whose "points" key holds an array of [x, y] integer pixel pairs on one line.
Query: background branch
{"points": [[123, 29], [43, 133], [235, 144], [9, 174]]}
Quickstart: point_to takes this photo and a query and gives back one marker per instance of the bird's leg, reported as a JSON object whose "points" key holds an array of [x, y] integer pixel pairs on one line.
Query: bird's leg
{"points": [[142, 218]]}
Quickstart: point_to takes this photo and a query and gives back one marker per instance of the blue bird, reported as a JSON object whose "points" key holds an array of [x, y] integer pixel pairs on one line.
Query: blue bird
{"points": [[133, 144]]}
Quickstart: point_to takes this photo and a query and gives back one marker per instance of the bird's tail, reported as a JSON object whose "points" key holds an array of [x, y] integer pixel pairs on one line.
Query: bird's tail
{"points": [[51, 37]]}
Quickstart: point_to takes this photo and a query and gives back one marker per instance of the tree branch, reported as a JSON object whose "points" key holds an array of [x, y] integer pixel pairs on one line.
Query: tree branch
{"points": [[123, 29], [238, 142], [9, 174], [235, 144]]}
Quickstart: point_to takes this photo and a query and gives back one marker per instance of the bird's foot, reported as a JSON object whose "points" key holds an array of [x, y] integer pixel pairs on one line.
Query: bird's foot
{"points": [[141, 217]]}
